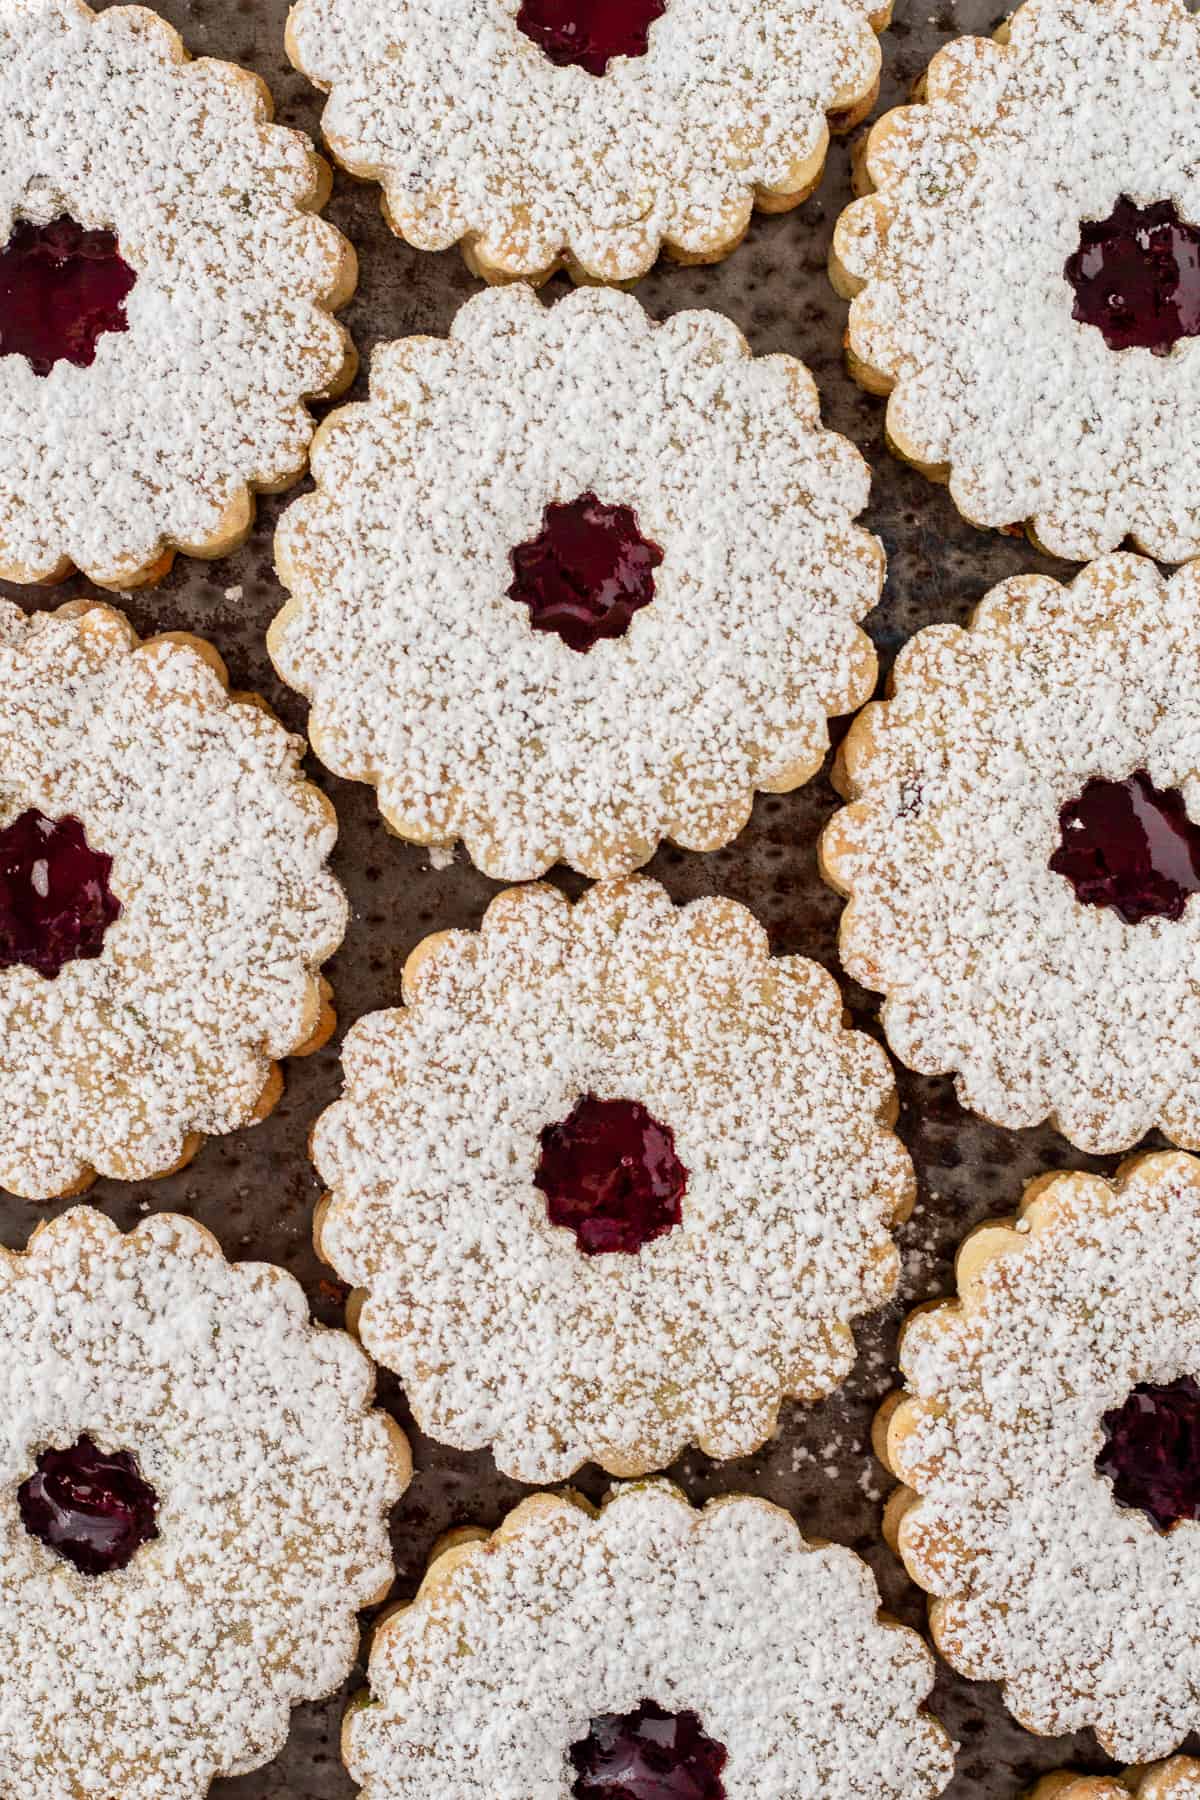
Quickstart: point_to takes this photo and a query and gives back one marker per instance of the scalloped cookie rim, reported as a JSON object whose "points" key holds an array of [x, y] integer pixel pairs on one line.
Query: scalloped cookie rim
{"points": [[236, 522], [497, 263]]}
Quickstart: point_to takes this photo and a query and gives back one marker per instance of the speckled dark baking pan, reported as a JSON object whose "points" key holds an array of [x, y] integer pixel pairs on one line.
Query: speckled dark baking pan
{"points": [[256, 1190]]}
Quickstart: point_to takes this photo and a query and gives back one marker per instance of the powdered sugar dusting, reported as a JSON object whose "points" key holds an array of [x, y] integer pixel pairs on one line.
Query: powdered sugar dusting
{"points": [[273, 1482], [1080, 1606], [1176, 1779], [427, 679], [965, 304], [990, 964], [227, 908], [154, 444], [483, 1684], [502, 1332], [476, 134]]}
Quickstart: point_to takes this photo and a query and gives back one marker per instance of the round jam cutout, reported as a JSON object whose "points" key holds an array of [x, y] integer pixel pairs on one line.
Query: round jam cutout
{"points": [[1136, 277], [90, 1505], [588, 33], [55, 901], [1131, 846], [648, 1754], [1151, 1451], [610, 1173], [586, 573], [61, 288]]}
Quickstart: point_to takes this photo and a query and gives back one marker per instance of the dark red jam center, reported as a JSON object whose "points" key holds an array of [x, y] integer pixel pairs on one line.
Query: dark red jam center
{"points": [[90, 1505], [1151, 1450], [1136, 276], [586, 573], [61, 287], [1131, 846], [588, 32], [55, 901], [609, 1171], [648, 1754]]}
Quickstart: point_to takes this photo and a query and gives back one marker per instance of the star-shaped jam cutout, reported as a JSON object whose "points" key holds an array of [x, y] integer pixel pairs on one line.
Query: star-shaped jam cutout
{"points": [[1136, 276], [1151, 1450], [586, 573], [61, 289], [648, 1754], [90, 1505], [610, 1173], [1131, 846], [589, 33], [55, 901]]}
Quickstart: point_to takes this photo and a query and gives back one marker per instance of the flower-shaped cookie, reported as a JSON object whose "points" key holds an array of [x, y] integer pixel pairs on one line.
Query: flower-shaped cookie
{"points": [[1049, 1442], [1023, 850], [1025, 275], [614, 1181], [164, 901], [651, 1640], [164, 296], [544, 132], [1178, 1779], [573, 581], [194, 1504]]}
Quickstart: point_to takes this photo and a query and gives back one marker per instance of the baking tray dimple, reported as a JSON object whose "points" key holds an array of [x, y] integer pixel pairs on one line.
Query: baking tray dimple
{"points": [[256, 1190]]}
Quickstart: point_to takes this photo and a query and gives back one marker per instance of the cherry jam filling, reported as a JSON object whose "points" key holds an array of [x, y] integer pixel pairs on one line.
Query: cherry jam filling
{"points": [[90, 1505], [588, 33], [55, 901], [1151, 1450], [586, 573], [1136, 276], [61, 288], [609, 1171], [647, 1754], [1130, 845]]}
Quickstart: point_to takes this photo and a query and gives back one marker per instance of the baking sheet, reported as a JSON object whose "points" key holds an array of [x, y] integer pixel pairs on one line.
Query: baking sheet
{"points": [[256, 1190]]}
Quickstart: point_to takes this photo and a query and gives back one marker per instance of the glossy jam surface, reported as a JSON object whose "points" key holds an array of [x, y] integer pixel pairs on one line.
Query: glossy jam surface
{"points": [[1130, 845], [609, 1171], [61, 288], [586, 573], [648, 1754], [588, 33], [55, 901], [1136, 276], [1151, 1450], [90, 1505]]}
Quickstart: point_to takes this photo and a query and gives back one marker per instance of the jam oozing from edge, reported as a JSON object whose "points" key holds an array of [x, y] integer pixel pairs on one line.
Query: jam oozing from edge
{"points": [[586, 573], [90, 1505], [1130, 845], [647, 1754], [61, 288], [55, 901], [609, 1171], [587, 33], [1151, 1450], [1136, 276]]}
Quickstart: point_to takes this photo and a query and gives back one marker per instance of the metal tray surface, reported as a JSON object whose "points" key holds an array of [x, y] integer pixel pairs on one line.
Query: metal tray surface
{"points": [[256, 1189]]}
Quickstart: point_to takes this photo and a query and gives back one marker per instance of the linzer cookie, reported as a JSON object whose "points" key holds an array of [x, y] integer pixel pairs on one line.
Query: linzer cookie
{"points": [[648, 1649], [1048, 1437], [165, 904], [1026, 275], [1021, 854], [614, 1181], [195, 1500], [589, 133], [1177, 1779], [572, 582], [164, 296]]}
